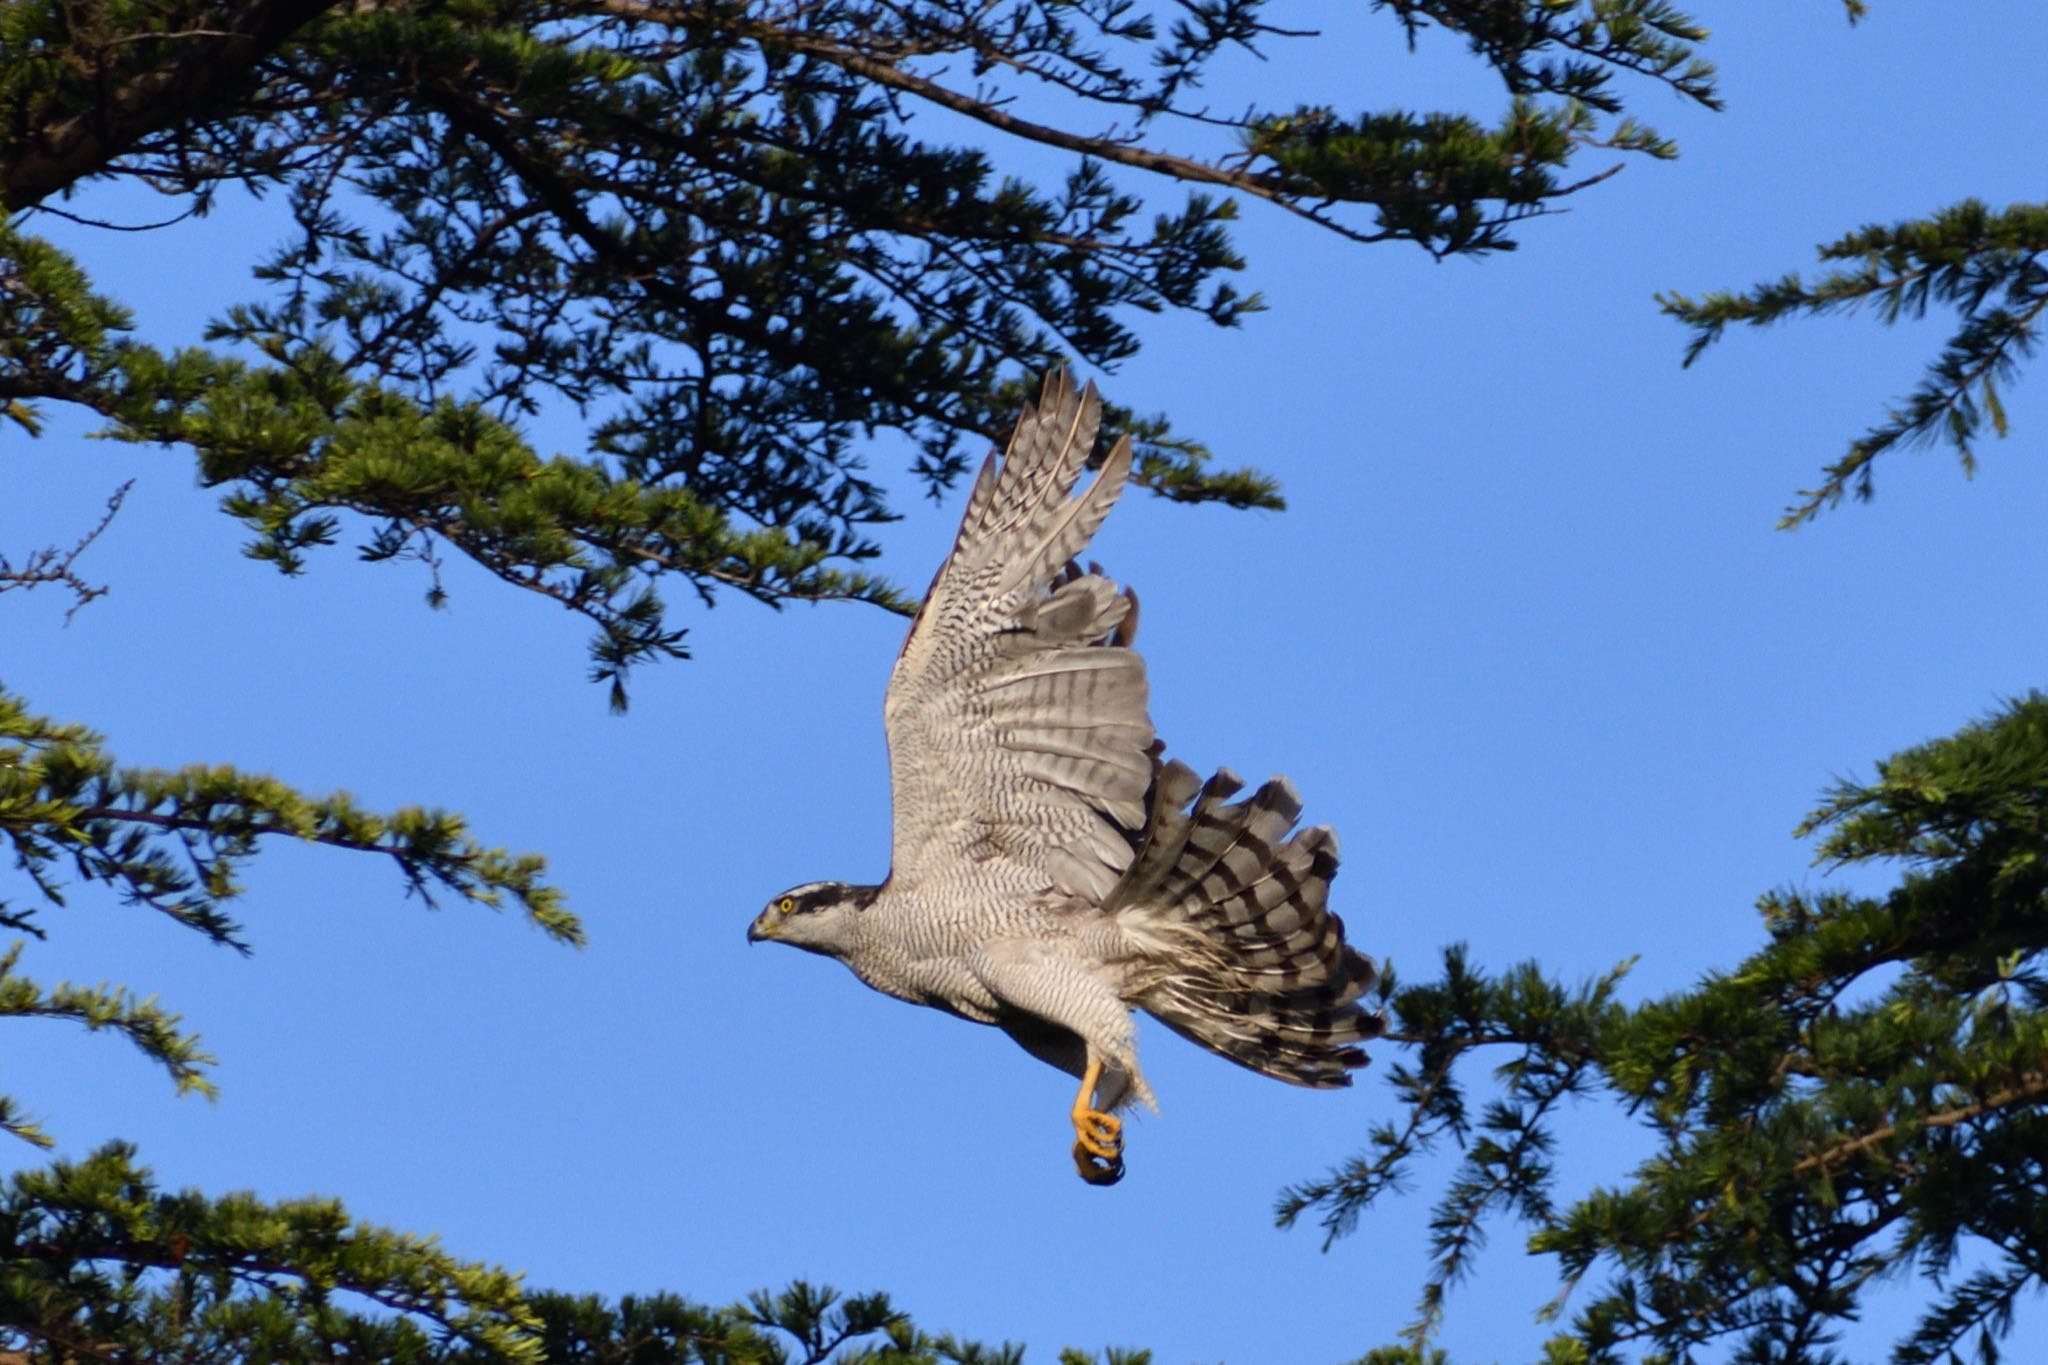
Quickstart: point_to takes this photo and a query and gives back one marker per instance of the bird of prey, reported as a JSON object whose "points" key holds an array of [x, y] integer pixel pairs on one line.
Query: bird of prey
{"points": [[1050, 871]]}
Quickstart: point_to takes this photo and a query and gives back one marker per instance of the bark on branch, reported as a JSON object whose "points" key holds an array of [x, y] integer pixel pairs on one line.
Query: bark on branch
{"points": [[2032, 1086], [197, 67]]}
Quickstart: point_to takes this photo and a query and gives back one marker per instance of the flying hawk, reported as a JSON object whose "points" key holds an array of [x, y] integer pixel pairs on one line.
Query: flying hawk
{"points": [[1050, 873]]}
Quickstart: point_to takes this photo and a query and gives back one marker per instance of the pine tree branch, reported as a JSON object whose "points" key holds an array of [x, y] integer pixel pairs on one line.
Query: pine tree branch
{"points": [[1291, 193], [64, 802], [2031, 1087], [202, 63], [1984, 1302], [1860, 1100], [1259, 185], [250, 1278], [264, 824], [153, 1032], [712, 228], [1990, 267]]}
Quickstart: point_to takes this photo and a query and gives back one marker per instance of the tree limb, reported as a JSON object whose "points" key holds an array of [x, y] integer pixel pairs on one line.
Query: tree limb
{"points": [[2030, 1087], [153, 98]]}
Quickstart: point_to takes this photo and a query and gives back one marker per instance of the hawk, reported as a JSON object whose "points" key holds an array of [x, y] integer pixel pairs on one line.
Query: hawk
{"points": [[1050, 871]]}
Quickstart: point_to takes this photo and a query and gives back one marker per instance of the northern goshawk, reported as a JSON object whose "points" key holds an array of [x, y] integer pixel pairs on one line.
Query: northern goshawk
{"points": [[1050, 873]]}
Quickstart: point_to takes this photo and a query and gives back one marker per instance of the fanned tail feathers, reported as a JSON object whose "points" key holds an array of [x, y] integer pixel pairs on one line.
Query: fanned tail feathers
{"points": [[1252, 964]]}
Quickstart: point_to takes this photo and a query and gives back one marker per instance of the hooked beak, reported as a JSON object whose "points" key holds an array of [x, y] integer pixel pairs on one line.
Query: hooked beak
{"points": [[757, 931]]}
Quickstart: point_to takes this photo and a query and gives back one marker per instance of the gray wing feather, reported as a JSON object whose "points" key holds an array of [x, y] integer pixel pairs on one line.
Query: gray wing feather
{"points": [[1019, 744]]}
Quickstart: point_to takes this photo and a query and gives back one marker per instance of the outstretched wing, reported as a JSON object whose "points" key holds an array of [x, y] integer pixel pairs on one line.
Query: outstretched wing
{"points": [[1019, 747]]}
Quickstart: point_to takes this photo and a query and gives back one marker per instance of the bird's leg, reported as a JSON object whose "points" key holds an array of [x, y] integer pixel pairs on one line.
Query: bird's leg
{"points": [[1098, 1137]]}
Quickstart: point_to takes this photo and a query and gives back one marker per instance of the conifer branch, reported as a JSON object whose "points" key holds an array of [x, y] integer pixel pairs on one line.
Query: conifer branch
{"points": [[153, 1032], [2030, 1087], [1808, 1147], [714, 230], [1990, 268], [102, 1263], [63, 802], [146, 82], [173, 841], [242, 1274]]}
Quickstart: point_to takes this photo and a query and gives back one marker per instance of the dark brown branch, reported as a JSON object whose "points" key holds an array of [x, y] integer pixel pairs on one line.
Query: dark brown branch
{"points": [[154, 98], [893, 77], [52, 565]]}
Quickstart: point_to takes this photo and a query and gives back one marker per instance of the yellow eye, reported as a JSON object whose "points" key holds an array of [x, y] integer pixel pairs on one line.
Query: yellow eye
{"points": [[786, 904]]}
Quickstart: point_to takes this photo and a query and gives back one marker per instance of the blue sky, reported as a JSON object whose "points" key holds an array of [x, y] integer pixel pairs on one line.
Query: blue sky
{"points": [[1526, 638]]}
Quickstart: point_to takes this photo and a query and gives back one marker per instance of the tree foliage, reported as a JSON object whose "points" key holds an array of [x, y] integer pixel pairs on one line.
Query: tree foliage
{"points": [[735, 239], [1984, 265], [720, 233], [755, 247], [171, 842], [1989, 267], [1862, 1100], [98, 1263]]}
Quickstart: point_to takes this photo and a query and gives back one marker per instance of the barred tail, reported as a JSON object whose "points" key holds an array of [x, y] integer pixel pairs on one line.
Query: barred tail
{"points": [[1250, 962]]}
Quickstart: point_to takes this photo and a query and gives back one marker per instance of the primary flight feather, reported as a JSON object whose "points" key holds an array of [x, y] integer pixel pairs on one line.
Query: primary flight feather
{"points": [[1050, 872]]}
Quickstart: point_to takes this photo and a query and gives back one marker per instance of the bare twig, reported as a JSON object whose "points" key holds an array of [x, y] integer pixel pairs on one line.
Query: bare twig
{"points": [[54, 565]]}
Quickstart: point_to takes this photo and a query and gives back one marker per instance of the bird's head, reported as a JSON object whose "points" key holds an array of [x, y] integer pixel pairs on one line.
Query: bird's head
{"points": [[819, 916]]}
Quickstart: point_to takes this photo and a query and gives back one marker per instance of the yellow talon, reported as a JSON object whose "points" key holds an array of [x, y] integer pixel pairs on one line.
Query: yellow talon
{"points": [[1098, 1137], [1100, 1133]]}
